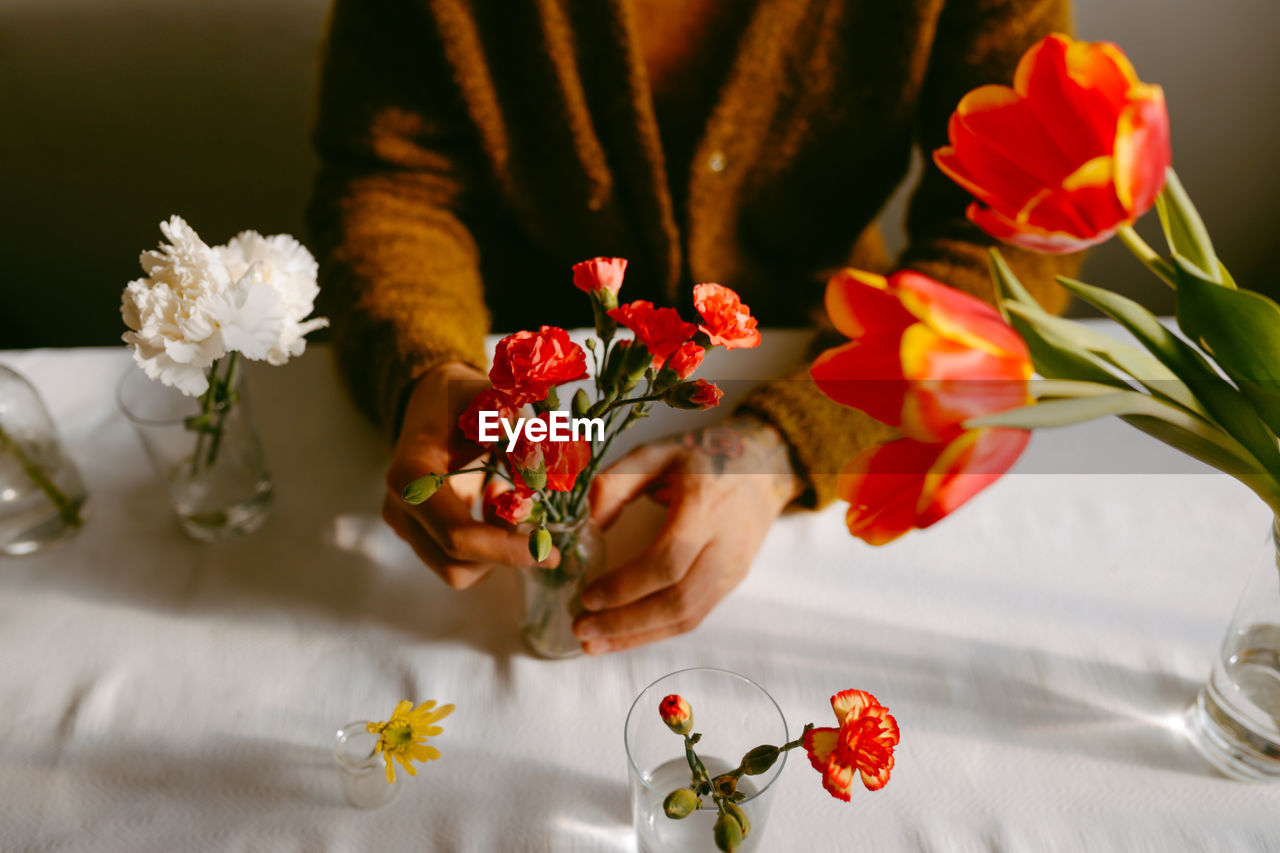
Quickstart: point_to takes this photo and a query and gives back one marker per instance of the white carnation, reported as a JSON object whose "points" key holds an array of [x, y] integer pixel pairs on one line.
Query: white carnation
{"points": [[198, 303], [174, 314], [275, 289]]}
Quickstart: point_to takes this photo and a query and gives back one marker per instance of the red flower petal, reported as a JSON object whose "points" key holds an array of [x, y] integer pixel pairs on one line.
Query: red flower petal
{"points": [[865, 374], [1142, 153], [859, 304]]}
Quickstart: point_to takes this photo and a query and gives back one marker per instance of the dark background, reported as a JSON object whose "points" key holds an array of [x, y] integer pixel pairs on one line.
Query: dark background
{"points": [[117, 113]]}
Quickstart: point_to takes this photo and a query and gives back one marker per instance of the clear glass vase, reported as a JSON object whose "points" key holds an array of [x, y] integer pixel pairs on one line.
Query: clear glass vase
{"points": [[41, 493], [550, 599], [364, 774], [734, 715], [216, 477], [1236, 718]]}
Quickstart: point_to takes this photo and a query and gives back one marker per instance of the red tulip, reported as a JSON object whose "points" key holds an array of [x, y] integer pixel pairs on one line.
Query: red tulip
{"points": [[905, 484], [1076, 149], [924, 357]]}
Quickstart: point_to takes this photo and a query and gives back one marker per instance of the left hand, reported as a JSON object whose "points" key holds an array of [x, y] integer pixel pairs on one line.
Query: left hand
{"points": [[724, 486]]}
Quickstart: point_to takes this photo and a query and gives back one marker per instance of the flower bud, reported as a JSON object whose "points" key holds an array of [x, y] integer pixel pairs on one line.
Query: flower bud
{"points": [[681, 803], [676, 713], [607, 299], [540, 544], [551, 401], [535, 478], [581, 404], [636, 359], [726, 785], [735, 811], [698, 394], [759, 759], [421, 489], [728, 833]]}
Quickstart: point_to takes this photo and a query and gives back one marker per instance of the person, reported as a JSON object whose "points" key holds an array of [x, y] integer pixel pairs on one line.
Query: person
{"points": [[473, 150]]}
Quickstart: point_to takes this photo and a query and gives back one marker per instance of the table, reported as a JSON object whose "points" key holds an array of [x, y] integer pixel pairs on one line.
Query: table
{"points": [[1037, 650]]}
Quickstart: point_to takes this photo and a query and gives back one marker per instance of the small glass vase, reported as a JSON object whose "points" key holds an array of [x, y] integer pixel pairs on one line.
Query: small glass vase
{"points": [[217, 480], [364, 772], [550, 599], [1236, 718], [734, 715], [41, 493]]}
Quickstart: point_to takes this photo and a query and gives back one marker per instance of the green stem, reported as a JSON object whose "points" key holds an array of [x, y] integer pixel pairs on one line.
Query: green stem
{"points": [[618, 404], [1147, 255], [583, 485], [228, 389], [206, 406], [70, 514]]}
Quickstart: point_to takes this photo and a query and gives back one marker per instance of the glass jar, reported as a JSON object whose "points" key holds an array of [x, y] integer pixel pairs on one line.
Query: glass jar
{"points": [[364, 771], [734, 715], [1236, 718], [550, 599], [41, 492], [216, 477]]}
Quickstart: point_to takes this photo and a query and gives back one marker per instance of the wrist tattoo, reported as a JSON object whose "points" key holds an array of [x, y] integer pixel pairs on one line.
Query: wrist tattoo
{"points": [[748, 446]]}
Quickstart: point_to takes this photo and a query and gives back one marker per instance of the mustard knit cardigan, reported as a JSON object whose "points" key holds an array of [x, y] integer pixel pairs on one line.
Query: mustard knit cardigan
{"points": [[474, 149]]}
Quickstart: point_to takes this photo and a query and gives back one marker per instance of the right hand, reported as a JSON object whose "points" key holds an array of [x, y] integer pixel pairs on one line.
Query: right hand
{"points": [[441, 531]]}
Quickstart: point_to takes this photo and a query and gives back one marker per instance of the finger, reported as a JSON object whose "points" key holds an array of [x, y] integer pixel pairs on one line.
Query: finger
{"points": [[624, 480], [690, 599], [664, 563], [630, 641], [456, 574], [447, 518]]}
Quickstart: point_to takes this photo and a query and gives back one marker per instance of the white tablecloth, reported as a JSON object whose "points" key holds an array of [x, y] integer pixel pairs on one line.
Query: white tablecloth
{"points": [[1037, 650]]}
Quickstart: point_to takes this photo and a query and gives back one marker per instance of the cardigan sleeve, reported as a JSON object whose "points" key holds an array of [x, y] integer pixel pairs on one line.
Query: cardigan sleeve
{"points": [[399, 270], [977, 42]]}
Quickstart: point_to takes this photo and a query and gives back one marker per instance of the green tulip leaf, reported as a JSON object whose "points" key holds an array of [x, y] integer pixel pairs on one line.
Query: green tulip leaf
{"points": [[1240, 329], [1184, 230], [1054, 356], [1224, 403], [1222, 452], [1076, 410]]}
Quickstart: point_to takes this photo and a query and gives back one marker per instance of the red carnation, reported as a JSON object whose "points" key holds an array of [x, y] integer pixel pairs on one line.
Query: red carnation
{"points": [[488, 400], [698, 394], [599, 274], [676, 713], [727, 321], [686, 359], [564, 460], [512, 506], [527, 365], [660, 329]]}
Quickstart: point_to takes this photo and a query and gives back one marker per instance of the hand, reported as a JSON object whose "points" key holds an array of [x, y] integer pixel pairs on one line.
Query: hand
{"points": [[461, 550], [724, 485]]}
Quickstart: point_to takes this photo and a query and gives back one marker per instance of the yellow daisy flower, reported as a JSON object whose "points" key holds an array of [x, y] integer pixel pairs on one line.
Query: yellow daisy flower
{"points": [[403, 737]]}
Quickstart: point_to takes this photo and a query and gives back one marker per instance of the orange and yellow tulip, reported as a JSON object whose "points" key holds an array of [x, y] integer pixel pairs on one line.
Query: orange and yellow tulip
{"points": [[904, 484], [1077, 148], [924, 356]]}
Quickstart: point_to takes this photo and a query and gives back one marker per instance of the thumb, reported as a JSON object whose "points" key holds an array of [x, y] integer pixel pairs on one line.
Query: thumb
{"points": [[626, 479]]}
